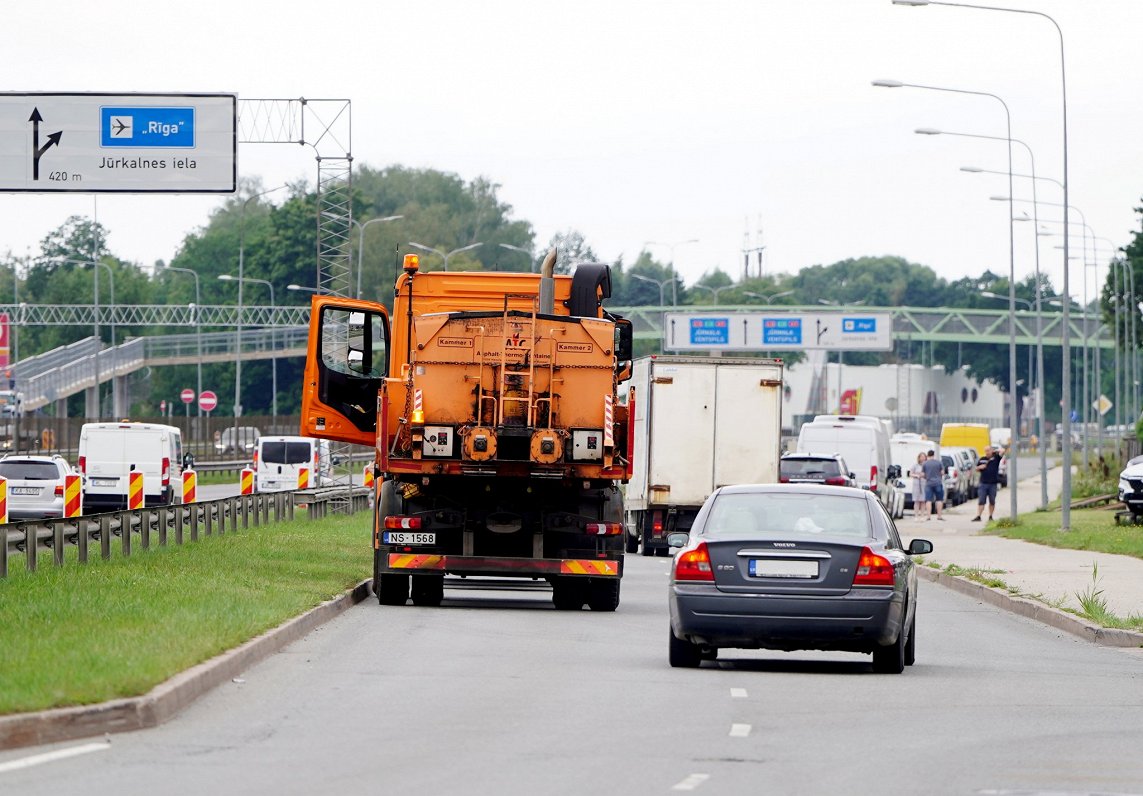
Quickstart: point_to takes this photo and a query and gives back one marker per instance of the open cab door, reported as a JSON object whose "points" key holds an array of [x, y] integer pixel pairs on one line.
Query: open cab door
{"points": [[347, 359]]}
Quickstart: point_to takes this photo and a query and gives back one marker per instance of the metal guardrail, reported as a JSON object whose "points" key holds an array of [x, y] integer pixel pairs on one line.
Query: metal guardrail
{"points": [[164, 524]]}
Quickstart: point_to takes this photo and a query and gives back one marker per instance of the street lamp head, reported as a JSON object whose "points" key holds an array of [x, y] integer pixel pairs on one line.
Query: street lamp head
{"points": [[972, 169], [927, 131], [888, 83], [910, 2], [227, 278], [999, 198]]}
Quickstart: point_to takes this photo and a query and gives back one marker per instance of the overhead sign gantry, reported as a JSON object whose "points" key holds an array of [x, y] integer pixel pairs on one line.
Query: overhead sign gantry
{"points": [[118, 143], [778, 331]]}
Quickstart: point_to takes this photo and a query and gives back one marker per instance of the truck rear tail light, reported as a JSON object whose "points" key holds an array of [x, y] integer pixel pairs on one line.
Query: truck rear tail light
{"points": [[873, 478], [694, 564], [657, 523], [603, 528], [166, 471], [873, 570], [82, 464], [397, 523]]}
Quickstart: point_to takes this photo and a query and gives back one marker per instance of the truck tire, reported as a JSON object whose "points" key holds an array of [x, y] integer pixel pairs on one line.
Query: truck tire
{"points": [[569, 594], [393, 589], [603, 594], [632, 543], [428, 590]]}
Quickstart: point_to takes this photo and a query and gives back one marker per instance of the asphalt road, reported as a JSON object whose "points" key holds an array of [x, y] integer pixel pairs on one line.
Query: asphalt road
{"points": [[497, 693]]}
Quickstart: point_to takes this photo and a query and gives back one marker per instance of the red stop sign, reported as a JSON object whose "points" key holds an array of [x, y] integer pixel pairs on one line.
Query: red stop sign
{"points": [[187, 395], [207, 400]]}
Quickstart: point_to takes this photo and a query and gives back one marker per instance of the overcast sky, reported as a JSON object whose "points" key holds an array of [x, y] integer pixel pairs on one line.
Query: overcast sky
{"points": [[745, 123]]}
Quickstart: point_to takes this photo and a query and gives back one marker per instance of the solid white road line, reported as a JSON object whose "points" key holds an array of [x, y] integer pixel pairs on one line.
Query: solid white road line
{"points": [[691, 782], [739, 730], [48, 757], [738, 693]]}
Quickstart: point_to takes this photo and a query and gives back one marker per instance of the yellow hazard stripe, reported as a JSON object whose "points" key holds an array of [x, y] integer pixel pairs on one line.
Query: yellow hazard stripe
{"points": [[589, 566], [415, 561]]}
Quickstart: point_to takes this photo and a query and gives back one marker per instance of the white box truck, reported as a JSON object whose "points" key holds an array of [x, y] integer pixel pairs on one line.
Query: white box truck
{"points": [[700, 423], [110, 452]]}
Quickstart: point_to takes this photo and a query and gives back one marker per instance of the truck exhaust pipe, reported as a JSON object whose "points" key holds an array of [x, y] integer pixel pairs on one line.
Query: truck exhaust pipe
{"points": [[548, 283]]}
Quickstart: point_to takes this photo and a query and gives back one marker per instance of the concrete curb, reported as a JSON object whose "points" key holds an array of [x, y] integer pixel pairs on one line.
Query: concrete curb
{"points": [[1054, 617], [165, 700]]}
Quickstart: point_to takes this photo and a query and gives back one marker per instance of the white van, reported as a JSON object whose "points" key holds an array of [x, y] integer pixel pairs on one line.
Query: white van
{"points": [[277, 461], [903, 449], [110, 452], [864, 444]]}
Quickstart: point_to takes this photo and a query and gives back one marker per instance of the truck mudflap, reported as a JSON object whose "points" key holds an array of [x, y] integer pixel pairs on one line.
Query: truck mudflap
{"points": [[588, 567]]}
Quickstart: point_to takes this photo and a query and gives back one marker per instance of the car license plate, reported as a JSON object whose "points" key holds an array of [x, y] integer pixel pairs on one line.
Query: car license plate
{"points": [[408, 537], [104, 481], [782, 568], [25, 490]]}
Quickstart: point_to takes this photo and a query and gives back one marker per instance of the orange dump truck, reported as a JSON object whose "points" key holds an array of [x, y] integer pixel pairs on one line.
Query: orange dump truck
{"points": [[493, 402]]}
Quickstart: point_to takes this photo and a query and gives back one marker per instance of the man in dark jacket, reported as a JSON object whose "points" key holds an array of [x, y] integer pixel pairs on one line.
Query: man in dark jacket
{"points": [[989, 468]]}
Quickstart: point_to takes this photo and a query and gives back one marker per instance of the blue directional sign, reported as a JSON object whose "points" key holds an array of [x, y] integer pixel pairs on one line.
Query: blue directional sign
{"points": [[782, 331], [150, 126], [858, 325], [710, 331]]}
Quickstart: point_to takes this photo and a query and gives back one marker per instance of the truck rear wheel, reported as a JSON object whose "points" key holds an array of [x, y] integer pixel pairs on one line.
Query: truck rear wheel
{"points": [[428, 590], [569, 594], [603, 594], [393, 589]]}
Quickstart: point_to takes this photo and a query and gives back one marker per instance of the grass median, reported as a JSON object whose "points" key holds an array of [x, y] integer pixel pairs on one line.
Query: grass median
{"points": [[1091, 529], [77, 635]]}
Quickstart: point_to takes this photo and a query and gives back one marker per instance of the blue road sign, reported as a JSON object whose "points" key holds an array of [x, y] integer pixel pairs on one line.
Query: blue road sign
{"points": [[858, 325], [149, 126], [710, 331], [781, 331]]}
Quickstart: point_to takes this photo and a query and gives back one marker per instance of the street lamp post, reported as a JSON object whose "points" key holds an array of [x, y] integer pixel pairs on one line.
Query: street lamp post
{"points": [[197, 325], [1011, 264], [671, 246], [714, 291], [273, 339], [443, 255], [768, 299], [662, 283], [361, 242], [1066, 494], [529, 252]]}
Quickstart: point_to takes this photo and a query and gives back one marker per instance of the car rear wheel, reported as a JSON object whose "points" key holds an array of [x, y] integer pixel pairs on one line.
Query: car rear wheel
{"points": [[682, 653], [911, 643], [890, 659]]}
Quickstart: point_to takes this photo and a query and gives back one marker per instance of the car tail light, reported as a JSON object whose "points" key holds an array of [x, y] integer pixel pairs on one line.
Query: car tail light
{"points": [[783, 479], [694, 564], [873, 570], [82, 464], [402, 523], [835, 480], [59, 490], [166, 471], [873, 478]]}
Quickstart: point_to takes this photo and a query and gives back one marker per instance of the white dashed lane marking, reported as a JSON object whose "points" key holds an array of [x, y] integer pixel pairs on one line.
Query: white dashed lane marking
{"points": [[738, 693], [691, 782], [739, 730]]}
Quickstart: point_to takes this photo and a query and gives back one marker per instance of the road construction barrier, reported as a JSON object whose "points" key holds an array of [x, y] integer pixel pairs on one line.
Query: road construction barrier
{"points": [[246, 481], [190, 486], [303, 478], [73, 496], [134, 491]]}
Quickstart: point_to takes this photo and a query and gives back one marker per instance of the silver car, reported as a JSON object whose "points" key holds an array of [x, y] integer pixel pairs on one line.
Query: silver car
{"points": [[35, 485]]}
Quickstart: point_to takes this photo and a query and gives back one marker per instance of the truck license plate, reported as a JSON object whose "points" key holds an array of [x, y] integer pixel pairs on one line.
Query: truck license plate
{"points": [[408, 537]]}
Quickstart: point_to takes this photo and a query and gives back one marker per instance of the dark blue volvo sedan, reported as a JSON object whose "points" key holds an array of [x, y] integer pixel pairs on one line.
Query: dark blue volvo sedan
{"points": [[794, 567]]}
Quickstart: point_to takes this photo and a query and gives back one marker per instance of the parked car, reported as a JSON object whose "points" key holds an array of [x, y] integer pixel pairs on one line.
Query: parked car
{"points": [[956, 479], [966, 459], [247, 440], [1131, 486], [35, 486], [792, 567], [809, 468], [864, 442]]}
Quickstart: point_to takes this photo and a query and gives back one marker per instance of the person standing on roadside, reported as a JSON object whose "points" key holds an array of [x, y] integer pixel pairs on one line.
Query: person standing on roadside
{"points": [[989, 468], [934, 471], [920, 508]]}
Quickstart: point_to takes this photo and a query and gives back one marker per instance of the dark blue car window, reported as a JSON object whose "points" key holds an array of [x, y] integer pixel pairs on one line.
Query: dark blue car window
{"points": [[785, 514]]}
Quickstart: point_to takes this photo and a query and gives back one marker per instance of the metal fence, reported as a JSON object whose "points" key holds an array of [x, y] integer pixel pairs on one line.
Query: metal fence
{"points": [[163, 525]]}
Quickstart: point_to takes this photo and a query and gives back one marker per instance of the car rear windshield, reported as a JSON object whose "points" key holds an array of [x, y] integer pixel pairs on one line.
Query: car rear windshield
{"points": [[286, 452], [29, 471], [792, 468], [784, 514]]}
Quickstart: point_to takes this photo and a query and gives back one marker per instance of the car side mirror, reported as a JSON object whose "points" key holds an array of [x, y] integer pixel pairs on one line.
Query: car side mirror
{"points": [[677, 539], [920, 547]]}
